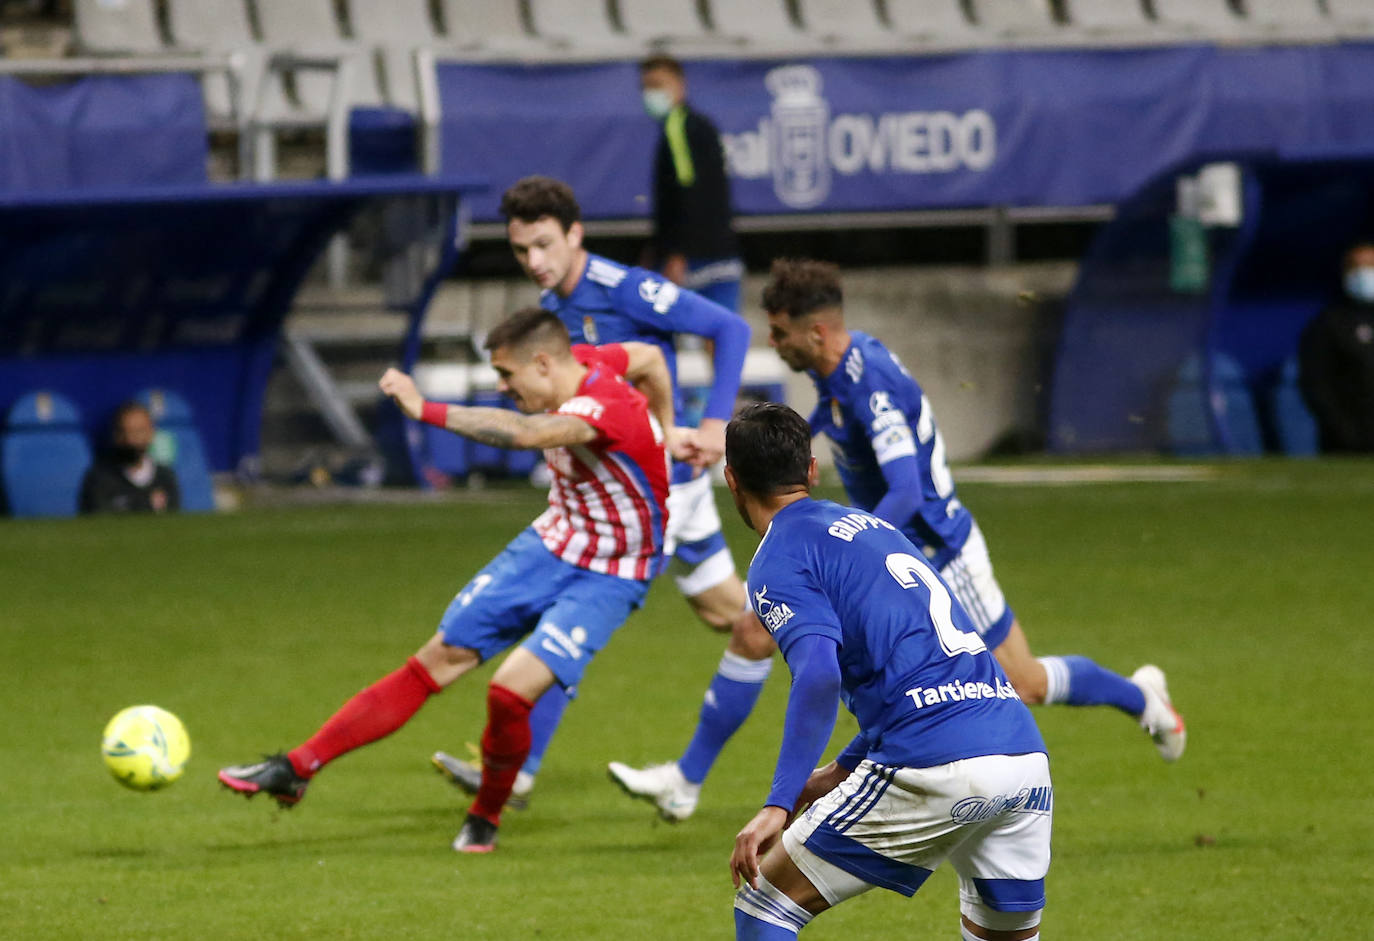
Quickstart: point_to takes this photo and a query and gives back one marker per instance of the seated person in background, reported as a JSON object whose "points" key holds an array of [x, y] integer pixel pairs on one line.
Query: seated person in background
{"points": [[1336, 359], [125, 479]]}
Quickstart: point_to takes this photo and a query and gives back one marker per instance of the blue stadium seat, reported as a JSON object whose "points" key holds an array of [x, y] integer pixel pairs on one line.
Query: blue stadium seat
{"points": [[43, 456], [1189, 428], [180, 440], [1234, 404], [1192, 408], [1294, 425]]}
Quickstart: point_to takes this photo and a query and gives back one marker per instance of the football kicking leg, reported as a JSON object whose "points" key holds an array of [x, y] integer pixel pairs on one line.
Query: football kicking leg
{"points": [[1071, 680], [674, 787], [493, 610], [371, 714]]}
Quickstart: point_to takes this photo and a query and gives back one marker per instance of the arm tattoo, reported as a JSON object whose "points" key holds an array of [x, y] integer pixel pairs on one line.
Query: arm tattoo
{"points": [[504, 428]]}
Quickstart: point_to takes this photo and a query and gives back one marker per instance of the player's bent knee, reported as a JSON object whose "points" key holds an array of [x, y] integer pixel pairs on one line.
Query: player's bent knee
{"points": [[750, 639], [445, 662]]}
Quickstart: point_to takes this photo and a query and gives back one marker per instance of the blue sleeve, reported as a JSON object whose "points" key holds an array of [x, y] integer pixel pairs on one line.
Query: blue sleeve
{"points": [[811, 709], [904, 495], [729, 335], [894, 442], [662, 305]]}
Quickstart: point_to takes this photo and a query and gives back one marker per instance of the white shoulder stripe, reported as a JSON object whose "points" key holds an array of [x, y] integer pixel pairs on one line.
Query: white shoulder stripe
{"points": [[605, 272]]}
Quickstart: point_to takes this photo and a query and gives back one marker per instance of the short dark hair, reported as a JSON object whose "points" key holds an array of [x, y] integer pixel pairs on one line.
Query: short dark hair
{"points": [[126, 408], [799, 286], [534, 197], [768, 448], [661, 61], [529, 326]]}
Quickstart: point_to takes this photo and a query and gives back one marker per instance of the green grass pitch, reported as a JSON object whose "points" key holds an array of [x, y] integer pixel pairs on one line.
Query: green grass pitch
{"points": [[1254, 591]]}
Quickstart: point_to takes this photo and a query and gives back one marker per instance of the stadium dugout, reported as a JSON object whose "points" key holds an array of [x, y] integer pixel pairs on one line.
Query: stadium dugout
{"points": [[124, 268]]}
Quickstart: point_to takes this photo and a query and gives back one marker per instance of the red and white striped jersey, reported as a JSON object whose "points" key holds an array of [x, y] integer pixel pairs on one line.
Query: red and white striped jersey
{"points": [[608, 504]]}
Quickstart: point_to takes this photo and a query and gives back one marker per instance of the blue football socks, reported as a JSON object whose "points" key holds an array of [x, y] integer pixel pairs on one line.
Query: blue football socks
{"points": [[1077, 681], [544, 719], [729, 700]]}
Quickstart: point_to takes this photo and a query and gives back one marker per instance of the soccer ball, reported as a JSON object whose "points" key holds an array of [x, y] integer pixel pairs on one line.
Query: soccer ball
{"points": [[145, 748]]}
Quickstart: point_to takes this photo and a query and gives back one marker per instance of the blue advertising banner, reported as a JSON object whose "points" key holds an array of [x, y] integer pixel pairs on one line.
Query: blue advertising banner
{"points": [[1021, 128], [126, 130]]}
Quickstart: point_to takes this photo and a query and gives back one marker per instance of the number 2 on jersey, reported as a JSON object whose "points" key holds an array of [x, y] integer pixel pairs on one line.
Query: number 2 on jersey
{"points": [[909, 571]]}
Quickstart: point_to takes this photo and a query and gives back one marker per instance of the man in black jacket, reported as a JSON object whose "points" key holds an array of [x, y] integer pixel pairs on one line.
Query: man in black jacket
{"points": [[125, 479], [1336, 359], [693, 242]]}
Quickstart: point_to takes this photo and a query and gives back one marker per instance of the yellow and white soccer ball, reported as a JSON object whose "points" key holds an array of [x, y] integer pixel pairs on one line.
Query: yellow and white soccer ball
{"points": [[145, 748]]}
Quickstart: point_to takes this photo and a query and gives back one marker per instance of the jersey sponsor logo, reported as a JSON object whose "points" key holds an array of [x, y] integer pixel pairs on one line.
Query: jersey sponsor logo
{"points": [[880, 402], [589, 331], [851, 524], [567, 645], [1028, 800], [583, 406], [854, 364], [773, 614], [662, 294], [924, 696]]}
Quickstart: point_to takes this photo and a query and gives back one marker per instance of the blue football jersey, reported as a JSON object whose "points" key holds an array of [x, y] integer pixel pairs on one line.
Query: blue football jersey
{"points": [[875, 415], [614, 304], [921, 682]]}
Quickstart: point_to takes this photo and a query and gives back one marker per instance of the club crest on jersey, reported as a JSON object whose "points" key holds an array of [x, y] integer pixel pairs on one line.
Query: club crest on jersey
{"points": [[589, 331], [835, 414], [661, 294], [773, 614]]}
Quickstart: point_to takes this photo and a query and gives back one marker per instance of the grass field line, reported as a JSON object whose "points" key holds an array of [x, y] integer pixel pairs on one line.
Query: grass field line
{"points": [[1089, 474]]}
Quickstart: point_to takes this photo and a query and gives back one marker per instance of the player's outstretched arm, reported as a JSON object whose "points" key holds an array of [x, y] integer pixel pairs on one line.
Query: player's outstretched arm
{"points": [[503, 428]]}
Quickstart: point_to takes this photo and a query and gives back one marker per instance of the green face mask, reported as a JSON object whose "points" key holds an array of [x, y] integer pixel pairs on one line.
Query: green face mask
{"points": [[657, 103]]}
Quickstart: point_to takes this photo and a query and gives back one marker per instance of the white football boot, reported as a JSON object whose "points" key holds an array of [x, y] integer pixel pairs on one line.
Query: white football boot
{"points": [[1160, 719], [673, 795]]}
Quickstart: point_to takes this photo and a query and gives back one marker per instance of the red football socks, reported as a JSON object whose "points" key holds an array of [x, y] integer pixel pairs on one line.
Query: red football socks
{"points": [[374, 713], [505, 746]]}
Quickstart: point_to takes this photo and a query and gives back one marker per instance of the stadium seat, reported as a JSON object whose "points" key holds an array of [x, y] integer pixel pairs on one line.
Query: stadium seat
{"points": [[199, 26], [583, 26], [844, 22], [396, 28], [764, 25], [932, 21], [486, 26], [1015, 17], [179, 444], [664, 22], [1352, 16], [1212, 17], [117, 26], [310, 28], [43, 456], [1294, 426], [1290, 19]]}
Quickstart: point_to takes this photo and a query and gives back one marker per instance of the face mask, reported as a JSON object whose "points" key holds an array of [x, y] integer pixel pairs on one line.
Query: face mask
{"points": [[658, 103], [1359, 284]]}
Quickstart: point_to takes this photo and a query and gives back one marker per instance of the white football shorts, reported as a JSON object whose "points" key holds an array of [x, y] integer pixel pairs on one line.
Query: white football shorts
{"points": [[700, 558], [970, 579], [890, 827]]}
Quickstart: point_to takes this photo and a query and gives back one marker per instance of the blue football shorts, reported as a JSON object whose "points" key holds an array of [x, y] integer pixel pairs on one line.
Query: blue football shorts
{"points": [[568, 612]]}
